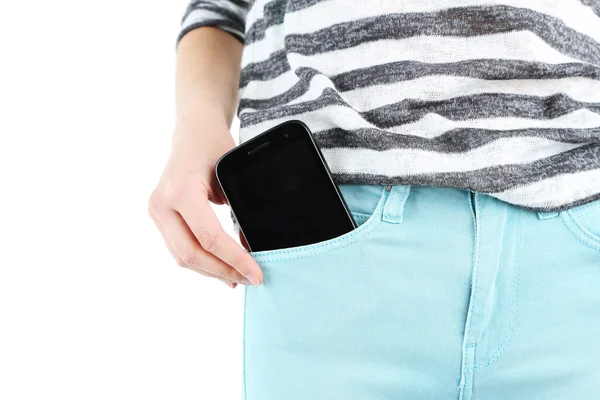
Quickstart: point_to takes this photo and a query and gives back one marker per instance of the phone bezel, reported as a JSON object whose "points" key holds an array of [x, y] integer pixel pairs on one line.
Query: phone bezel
{"points": [[239, 155]]}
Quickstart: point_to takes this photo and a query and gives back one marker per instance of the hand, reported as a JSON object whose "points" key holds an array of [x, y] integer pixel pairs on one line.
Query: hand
{"points": [[181, 210]]}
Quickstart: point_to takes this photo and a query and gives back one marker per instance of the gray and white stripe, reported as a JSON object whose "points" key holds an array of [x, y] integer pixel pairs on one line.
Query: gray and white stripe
{"points": [[499, 96]]}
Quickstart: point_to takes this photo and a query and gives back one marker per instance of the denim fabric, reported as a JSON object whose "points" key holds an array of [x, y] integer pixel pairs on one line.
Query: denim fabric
{"points": [[439, 293]]}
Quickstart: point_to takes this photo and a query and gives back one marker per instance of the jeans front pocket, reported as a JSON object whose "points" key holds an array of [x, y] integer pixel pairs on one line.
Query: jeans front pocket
{"points": [[366, 220], [300, 323]]}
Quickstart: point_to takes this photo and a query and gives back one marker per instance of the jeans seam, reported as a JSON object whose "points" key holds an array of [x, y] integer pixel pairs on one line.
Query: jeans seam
{"points": [[515, 303], [361, 215], [472, 372], [568, 219], [475, 260], [464, 370]]}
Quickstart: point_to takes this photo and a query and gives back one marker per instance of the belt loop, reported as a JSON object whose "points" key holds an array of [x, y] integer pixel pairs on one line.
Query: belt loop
{"points": [[547, 214], [394, 206]]}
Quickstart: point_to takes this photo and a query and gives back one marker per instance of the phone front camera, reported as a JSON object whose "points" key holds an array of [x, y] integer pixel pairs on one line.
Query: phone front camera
{"points": [[286, 135]]}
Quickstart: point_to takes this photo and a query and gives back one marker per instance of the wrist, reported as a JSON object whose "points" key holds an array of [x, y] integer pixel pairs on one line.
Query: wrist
{"points": [[200, 129], [201, 112]]}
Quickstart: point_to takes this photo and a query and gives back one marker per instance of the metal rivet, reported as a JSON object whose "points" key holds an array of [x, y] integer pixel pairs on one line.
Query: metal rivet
{"points": [[388, 187]]}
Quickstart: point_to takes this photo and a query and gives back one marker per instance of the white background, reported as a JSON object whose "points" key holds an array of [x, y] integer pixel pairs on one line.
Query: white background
{"points": [[91, 304]]}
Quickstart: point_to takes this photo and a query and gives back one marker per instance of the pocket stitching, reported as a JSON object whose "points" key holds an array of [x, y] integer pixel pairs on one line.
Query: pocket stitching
{"points": [[361, 232], [580, 232], [364, 233], [364, 216]]}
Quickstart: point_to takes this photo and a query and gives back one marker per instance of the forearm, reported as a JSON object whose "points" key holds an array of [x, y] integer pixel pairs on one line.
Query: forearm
{"points": [[207, 75]]}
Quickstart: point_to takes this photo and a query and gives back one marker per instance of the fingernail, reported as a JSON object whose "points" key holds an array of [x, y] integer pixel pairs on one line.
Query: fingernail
{"points": [[230, 284], [246, 282], [253, 279]]}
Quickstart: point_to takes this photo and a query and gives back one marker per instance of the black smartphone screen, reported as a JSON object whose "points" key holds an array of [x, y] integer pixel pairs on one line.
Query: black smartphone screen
{"points": [[281, 191]]}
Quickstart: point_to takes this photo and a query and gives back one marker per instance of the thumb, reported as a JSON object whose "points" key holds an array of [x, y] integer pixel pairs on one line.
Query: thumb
{"points": [[243, 241]]}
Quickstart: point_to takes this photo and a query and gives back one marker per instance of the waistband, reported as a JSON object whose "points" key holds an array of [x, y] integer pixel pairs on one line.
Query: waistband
{"points": [[363, 199]]}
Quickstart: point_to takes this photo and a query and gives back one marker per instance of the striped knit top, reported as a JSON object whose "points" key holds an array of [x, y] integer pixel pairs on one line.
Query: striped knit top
{"points": [[500, 97]]}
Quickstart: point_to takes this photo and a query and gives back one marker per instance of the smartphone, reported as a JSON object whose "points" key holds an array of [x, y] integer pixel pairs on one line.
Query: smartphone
{"points": [[280, 190]]}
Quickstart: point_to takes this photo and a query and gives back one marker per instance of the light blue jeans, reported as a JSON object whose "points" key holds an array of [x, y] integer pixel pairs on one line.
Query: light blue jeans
{"points": [[439, 294]]}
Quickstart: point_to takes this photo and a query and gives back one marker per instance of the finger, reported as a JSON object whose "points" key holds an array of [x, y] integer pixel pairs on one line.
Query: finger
{"points": [[225, 281], [207, 229], [186, 250], [208, 274], [179, 261], [230, 284]]}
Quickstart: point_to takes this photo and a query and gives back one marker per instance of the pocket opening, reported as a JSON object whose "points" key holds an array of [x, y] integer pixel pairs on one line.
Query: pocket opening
{"points": [[360, 218], [360, 232]]}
